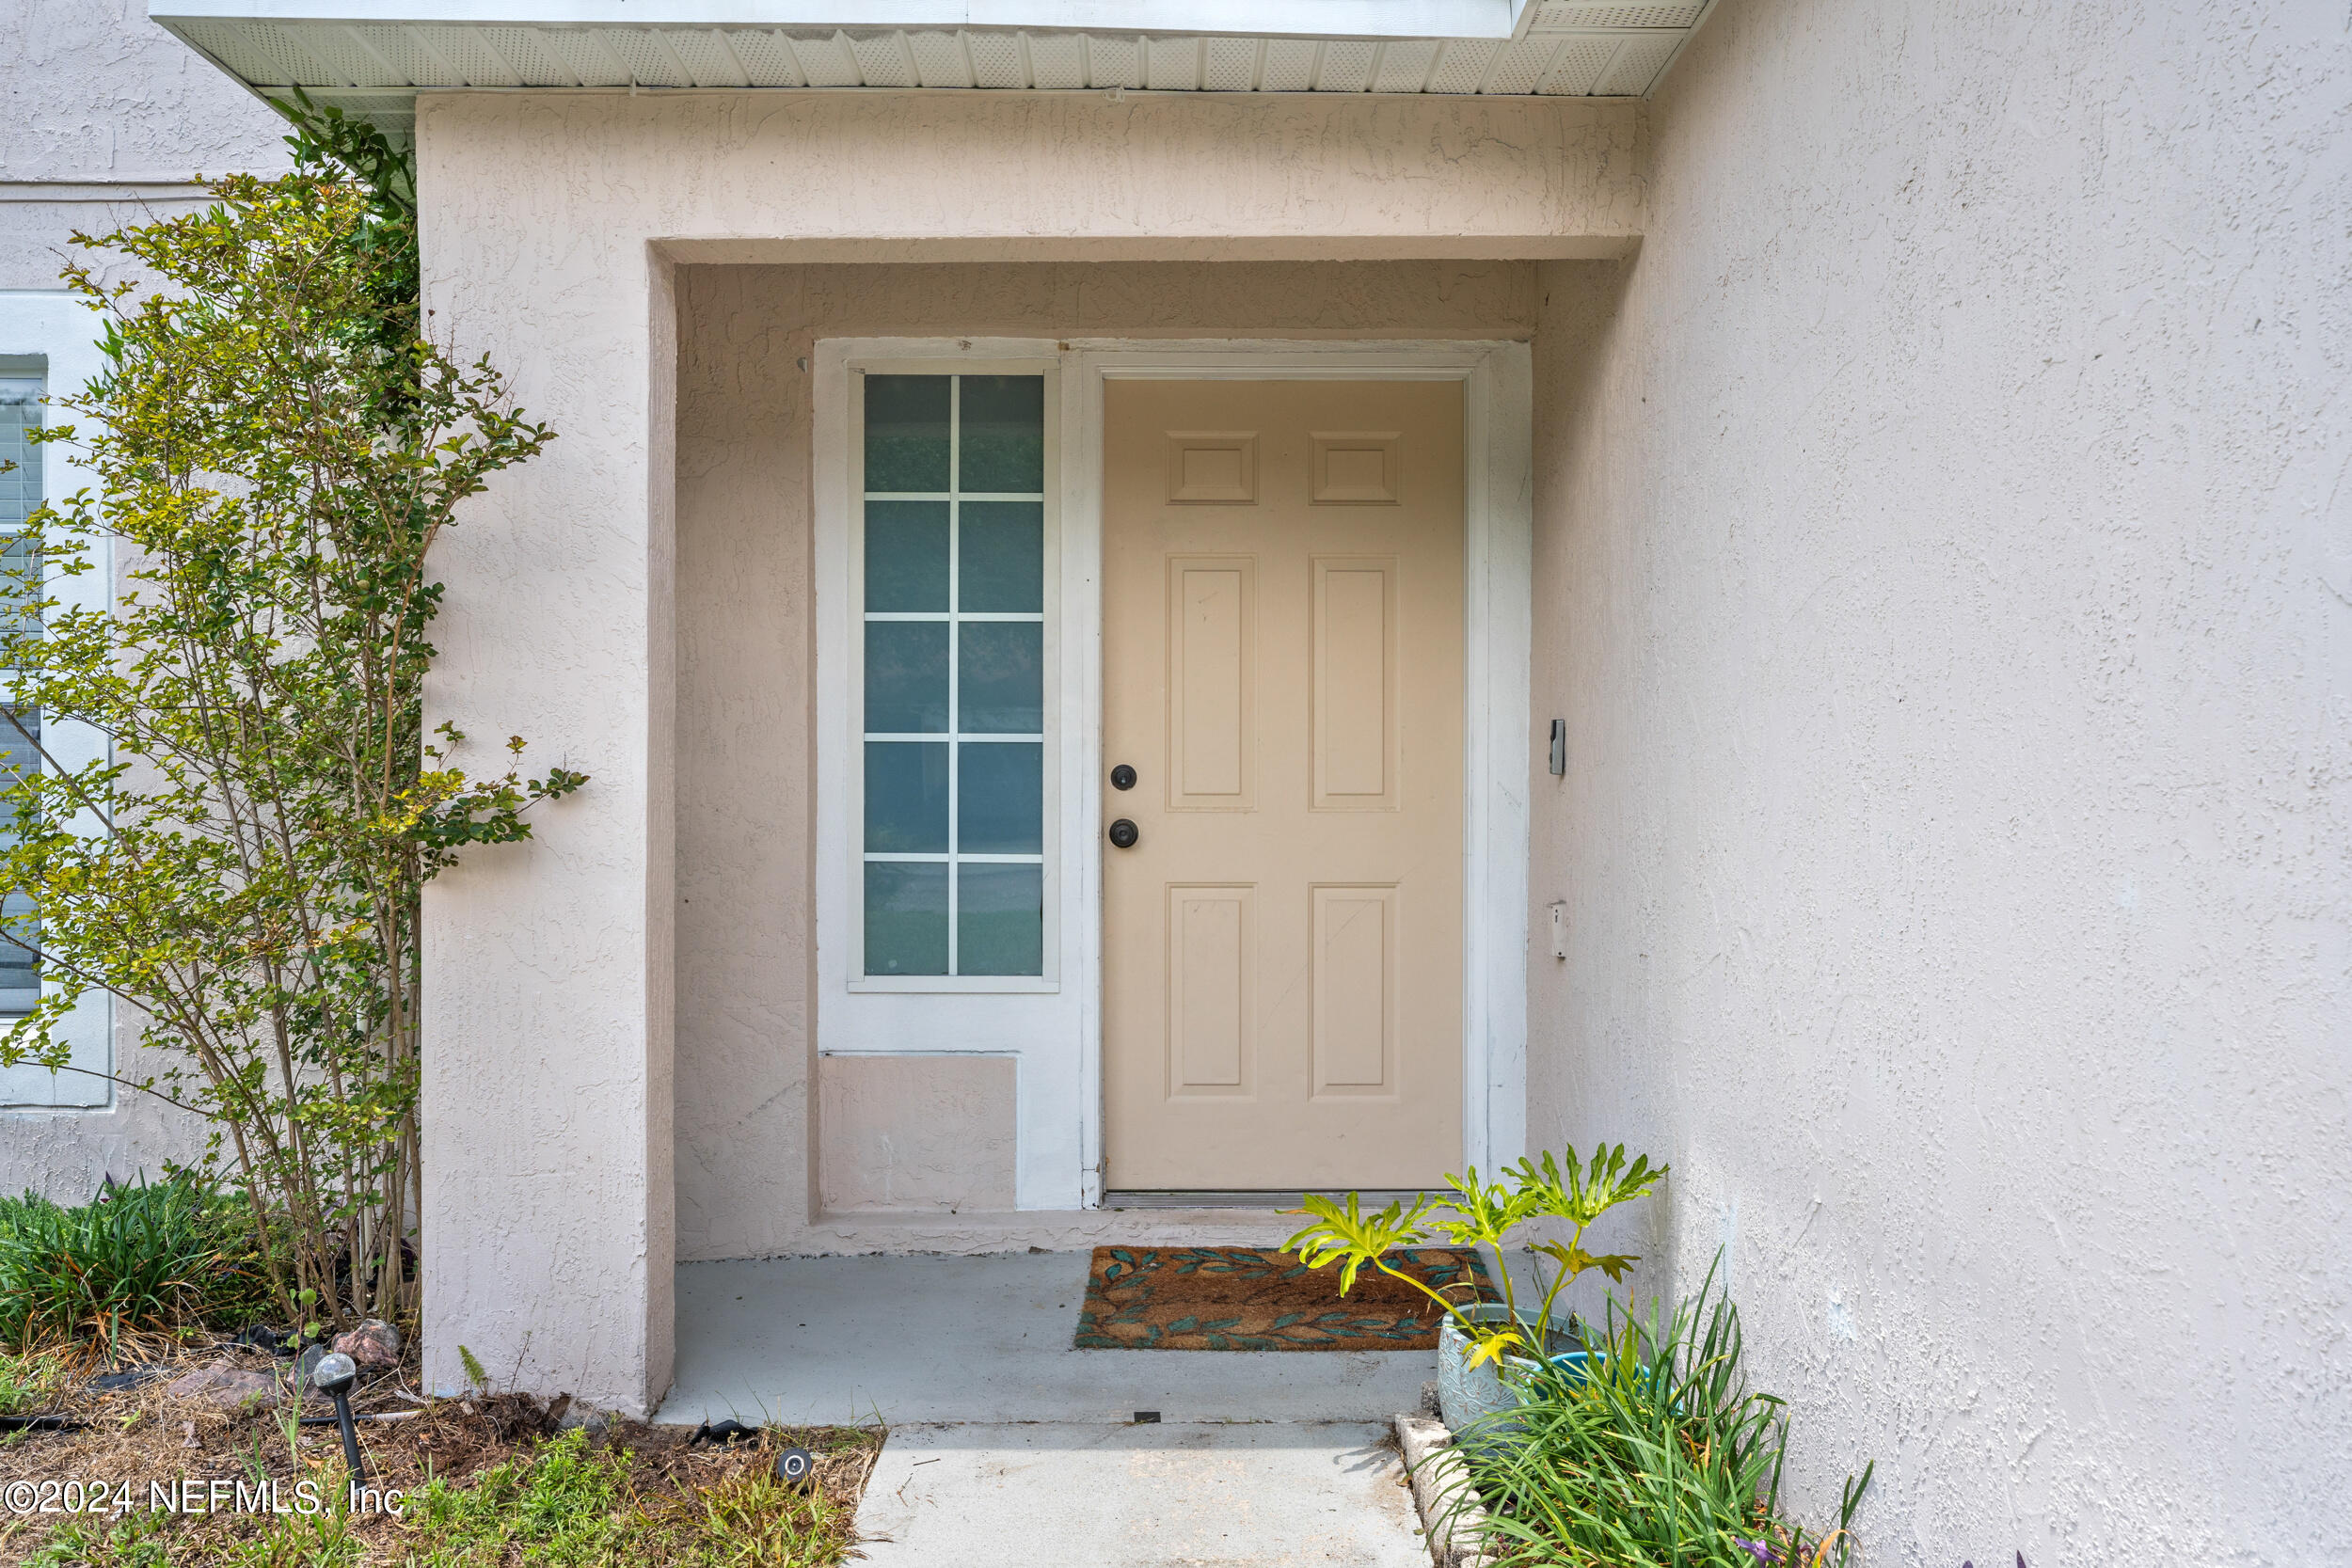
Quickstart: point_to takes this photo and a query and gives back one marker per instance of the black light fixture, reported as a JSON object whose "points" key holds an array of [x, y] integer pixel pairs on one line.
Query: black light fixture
{"points": [[333, 1376], [796, 1467]]}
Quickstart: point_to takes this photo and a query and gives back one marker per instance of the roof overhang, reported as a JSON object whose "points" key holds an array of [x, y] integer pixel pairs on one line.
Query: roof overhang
{"points": [[374, 56]]}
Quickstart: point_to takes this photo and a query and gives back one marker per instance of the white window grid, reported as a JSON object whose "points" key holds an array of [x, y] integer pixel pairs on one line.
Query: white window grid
{"points": [[955, 736]]}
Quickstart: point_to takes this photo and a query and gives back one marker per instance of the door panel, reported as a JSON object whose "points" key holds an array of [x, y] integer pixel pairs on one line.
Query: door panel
{"points": [[1354, 689], [1212, 617], [1282, 667], [1208, 989]]}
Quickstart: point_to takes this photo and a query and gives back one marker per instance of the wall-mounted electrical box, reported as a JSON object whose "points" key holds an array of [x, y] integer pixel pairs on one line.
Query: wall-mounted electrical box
{"points": [[1560, 930]]}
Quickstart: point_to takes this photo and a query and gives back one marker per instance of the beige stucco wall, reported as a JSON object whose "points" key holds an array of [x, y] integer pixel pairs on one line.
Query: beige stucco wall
{"points": [[746, 1023], [554, 226], [1942, 567]]}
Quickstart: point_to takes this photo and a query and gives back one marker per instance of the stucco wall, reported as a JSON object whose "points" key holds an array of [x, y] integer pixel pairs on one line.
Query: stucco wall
{"points": [[1943, 569], [104, 116], [744, 1029], [552, 226]]}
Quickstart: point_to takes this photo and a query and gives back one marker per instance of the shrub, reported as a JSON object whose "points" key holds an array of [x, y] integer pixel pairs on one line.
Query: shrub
{"points": [[277, 447], [144, 1260], [1660, 1455]]}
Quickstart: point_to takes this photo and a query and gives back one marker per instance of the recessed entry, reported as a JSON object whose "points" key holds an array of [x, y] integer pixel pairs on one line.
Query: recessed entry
{"points": [[1355, 467], [1213, 468]]}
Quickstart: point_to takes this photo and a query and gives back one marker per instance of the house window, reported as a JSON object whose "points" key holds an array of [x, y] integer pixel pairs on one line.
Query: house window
{"points": [[953, 666], [20, 728]]}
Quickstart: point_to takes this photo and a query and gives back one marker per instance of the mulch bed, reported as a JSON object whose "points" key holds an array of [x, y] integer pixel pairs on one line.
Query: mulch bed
{"points": [[143, 1434], [1257, 1298]]}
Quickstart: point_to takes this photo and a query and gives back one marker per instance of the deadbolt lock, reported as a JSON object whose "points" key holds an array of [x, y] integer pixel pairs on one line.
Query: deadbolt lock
{"points": [[1122, 777]]}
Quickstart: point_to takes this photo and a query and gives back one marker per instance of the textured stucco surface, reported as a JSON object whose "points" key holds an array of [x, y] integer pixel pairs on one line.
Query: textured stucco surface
{"points": [[914, 1133], [550, 222], [1943, 569], [744, 765], [102, 113], [93, 90]]}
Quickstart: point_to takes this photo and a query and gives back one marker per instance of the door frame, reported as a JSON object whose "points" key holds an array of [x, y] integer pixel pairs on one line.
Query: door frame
{"points": [[1058, 1129]]}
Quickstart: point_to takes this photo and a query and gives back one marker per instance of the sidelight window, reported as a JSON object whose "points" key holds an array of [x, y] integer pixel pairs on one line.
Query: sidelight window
{"points": [[953, 675]]}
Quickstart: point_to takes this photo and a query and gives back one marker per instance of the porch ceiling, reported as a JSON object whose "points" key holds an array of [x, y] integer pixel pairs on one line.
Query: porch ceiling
{"points": [[372, 56]]}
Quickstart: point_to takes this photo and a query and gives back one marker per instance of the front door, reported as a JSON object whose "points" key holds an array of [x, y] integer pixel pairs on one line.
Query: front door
{"points": [[1282, 671]]}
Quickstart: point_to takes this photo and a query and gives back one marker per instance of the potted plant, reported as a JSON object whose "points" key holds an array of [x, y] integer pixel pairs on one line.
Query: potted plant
{"points": [[1485, 1348]]}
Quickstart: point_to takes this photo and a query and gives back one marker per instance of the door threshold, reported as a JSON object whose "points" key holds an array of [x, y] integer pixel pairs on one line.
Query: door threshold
{"points": [[1235, 1198]]}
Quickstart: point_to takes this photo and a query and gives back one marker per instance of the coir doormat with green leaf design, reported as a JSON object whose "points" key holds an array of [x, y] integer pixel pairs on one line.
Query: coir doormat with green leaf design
{"points": [[1256, 1298]]}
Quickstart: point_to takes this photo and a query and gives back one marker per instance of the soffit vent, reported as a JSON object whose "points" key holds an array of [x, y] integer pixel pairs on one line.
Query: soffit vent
{"points": [[1562, 48]]}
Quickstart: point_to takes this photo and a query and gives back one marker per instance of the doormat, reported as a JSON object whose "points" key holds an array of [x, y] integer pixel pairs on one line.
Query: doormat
{"points": [[1256, 1298]]}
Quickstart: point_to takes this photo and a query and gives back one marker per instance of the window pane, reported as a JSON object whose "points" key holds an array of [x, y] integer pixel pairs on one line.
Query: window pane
{"points": [[1000, 800], [20, 753], [906, 918], [906, 677], [906, 797], [906, 432], [1003, 546], [1003, 434], [1002, 686], [1000, 920], [20, 488], [906, 555]]}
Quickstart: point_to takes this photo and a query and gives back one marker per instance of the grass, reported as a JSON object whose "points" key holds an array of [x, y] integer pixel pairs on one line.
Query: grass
{"points": [[32, 1382], [567, 1503], [570, 1506], [487, 1483], [1662, 1456], [140, 1262]]}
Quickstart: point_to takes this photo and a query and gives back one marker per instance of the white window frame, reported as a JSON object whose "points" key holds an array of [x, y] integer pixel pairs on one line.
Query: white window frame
{"points": [[59, 327], [1054, 1033], [1050, 779]]}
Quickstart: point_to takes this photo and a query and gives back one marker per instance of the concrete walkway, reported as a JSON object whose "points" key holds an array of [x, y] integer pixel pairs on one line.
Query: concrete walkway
{"points": [[1008, 1447], [1289, 1495]]}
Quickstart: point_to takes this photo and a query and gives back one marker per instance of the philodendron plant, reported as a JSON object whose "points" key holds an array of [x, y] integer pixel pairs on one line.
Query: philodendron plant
{"points": [[1473, 1212]]}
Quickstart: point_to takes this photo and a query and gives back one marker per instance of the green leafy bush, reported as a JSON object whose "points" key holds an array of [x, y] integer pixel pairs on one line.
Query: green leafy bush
{"points": [[144, 1260], [1488, 1214], [1657, 1454], [275, 445]]}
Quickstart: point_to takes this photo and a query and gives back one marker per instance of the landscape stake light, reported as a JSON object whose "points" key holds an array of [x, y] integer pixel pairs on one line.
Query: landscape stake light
{"points": [[333, 1376], [796, 1466]]}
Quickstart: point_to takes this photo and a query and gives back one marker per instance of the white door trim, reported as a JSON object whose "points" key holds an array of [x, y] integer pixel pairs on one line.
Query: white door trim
{"points": [[1499, 417], [1059, 1082]]}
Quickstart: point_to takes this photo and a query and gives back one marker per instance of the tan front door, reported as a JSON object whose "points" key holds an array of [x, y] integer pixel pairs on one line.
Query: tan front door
{"points": [[1283, 669]]}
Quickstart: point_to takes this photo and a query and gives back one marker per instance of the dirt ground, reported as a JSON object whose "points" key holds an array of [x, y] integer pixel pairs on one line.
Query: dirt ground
{"points": [[141, 1436]]}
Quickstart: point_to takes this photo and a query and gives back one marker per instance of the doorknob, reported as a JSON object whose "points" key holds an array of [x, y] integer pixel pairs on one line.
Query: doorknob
{"points": [[1124, 834], [1122, 777]]}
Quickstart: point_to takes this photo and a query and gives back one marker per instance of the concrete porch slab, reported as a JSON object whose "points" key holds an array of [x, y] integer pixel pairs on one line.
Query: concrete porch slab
{"points": [[915, 1339], [1142, 1497]]}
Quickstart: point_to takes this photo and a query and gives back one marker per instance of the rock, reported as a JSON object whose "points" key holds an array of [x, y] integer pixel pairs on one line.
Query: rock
{"points": [[578, 1415], [1429, 1400], [226, 1388], [373, 1343]]}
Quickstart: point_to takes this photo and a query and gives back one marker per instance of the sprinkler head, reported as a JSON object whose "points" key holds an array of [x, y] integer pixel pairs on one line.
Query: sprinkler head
{"points": [[334, 1374]]}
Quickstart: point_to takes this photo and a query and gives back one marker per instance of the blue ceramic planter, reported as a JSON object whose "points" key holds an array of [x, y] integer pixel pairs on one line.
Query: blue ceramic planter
{"points": [[1467, 1393]]}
